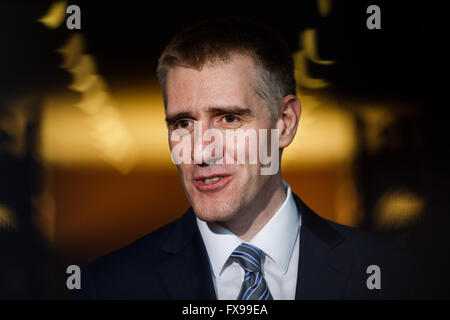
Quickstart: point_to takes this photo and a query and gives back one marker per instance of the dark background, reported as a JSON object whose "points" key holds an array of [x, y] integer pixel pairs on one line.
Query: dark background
{"points": [[407, 60]]}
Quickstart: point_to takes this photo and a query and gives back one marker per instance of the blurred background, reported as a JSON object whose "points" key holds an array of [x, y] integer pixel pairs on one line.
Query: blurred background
{"points": [[84, 162]]}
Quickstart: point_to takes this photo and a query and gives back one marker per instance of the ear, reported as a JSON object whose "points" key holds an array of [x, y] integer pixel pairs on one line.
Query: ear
{"points": [[288, 119]]}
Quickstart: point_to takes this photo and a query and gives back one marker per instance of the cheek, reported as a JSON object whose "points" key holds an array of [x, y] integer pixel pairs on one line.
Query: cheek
{"points": [[184, 173], [249, 176], [242, 149], [180, 149]]}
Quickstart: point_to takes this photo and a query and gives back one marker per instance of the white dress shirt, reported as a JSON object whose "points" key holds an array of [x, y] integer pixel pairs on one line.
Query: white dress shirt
{"points": [[278, 239]]}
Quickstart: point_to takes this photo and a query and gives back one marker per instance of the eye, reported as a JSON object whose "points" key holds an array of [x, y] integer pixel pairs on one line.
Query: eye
{"points": [[230, 121], [183, 124], [229, 118]]}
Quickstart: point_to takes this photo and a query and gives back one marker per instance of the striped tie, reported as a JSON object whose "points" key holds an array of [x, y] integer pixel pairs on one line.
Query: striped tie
{"points": [[254, 286]]}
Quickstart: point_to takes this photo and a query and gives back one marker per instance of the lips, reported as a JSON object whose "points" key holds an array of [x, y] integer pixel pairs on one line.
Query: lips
{"points": [[212, 182]]}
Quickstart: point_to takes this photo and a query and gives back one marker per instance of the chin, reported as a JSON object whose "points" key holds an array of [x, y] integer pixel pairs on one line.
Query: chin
{"points": [[213, 212]]}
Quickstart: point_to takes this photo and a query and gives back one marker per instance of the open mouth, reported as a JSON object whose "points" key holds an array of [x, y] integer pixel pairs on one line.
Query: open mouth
{"points": [[212, 183], [211, 180]]}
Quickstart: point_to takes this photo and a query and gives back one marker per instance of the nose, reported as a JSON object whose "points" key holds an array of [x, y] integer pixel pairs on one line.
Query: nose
{"points": [[207, 144]]}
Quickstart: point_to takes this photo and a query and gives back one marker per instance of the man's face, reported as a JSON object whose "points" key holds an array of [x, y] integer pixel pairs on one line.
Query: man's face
{"points": [[220, 97]]}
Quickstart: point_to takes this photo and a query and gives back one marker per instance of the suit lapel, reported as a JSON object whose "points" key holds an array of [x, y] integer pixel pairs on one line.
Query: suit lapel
{"points": [[323, 272], [186, 273], [324, 268]]}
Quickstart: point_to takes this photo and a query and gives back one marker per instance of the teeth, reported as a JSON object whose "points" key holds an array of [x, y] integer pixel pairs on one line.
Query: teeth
{"points": [[211, 180]]}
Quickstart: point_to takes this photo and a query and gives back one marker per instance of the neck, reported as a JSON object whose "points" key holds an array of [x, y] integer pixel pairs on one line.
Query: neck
{"points": [[251, 220]]}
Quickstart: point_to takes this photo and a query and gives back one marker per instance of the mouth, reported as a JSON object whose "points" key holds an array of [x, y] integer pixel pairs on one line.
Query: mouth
{"points": [[212, 182]]}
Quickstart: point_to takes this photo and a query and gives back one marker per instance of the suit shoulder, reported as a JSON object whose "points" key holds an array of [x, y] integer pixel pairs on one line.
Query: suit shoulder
{"points": [[128, 272], [144, 249], [368, 244]]}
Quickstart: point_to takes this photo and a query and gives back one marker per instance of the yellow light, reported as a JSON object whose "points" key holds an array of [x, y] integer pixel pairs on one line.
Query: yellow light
{"points": [[55, 15], [326, 134]]}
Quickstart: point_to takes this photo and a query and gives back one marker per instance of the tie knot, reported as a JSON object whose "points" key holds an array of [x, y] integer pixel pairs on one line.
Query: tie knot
{"points": [[248, 256]]}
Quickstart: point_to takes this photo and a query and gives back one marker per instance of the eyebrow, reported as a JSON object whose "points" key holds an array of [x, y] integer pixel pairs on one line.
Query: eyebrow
{"points": [[231, 109], [174, 118], [170, 119]]}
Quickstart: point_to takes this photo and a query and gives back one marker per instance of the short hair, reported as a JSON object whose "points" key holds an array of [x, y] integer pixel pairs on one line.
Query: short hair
{"points": [[213, 41]]}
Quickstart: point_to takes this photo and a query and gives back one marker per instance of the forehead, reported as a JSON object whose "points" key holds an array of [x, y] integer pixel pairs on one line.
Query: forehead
{"points": [[227, 83]]}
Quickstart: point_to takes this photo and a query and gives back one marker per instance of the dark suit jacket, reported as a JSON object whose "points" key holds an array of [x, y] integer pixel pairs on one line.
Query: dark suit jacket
{"points": [[172, 263]]}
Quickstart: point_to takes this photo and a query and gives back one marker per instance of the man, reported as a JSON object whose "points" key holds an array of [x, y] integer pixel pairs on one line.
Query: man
{"points": [[246, 235]]}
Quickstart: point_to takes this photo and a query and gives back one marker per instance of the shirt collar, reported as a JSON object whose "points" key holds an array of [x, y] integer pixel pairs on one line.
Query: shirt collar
{"points": [[277, 238]]}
